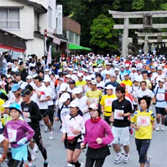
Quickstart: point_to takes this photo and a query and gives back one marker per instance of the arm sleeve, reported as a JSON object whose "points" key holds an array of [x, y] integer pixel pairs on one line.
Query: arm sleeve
{"points": [[37, 115], [29, 131], [134, 118], [108, 134]]}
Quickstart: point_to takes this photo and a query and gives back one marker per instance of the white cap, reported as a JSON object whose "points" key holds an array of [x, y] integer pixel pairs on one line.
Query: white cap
{"points": [[63, 86], [88, 77], [126, 74], [116, 69], [47, 70], [107, 73], [133, 69], [6, 104], [29, 77], [109, 87], [78, 90], [113, 75], [74, 103], [80, 75], [46, 79], [96, 70], [70, 69], [93, 82], [126, 65], [161, 80], [0, 83], [93, 106], [35, 75], [8, 76], [68, 76], [137, 80], [64, 97], [159, 68]]}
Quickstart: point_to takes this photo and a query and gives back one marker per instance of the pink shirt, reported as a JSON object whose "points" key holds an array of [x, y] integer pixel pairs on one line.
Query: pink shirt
{"points": [[94, 130]]}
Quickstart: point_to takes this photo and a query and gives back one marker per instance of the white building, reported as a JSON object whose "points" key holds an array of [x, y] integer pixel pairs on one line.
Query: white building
{"points": [[29, 19]]}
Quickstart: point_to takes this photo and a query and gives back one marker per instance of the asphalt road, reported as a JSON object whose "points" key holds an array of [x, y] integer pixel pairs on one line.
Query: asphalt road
{"points": [[57, 154]]}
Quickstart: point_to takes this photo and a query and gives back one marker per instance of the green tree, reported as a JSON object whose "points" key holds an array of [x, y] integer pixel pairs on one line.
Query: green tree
{"points": [[103, 36]]}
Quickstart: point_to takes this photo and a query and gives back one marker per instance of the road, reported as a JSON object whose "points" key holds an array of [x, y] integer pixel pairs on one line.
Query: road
{"points": [[57, 154]]}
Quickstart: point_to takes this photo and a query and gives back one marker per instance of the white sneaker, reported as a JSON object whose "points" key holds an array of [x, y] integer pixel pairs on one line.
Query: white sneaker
{"points": [[36, 149], [157, 129], [118, 158], [69, 165], [126, 159], [46, 129], [51, 135], [33, 157], [162, 128], [148, 162]]}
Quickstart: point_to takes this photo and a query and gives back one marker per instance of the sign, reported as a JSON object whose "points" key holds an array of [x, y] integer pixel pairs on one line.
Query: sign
{"points": [[59, 19]]}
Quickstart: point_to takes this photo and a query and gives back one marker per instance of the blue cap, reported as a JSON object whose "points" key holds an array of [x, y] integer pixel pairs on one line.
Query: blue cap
{"points": [[15, 87], [15, 106]]}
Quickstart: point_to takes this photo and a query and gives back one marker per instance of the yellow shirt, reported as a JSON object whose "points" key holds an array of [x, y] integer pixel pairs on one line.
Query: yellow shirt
{"points": [[148, 83], [128, 82], [144, 120], [94, 96], [2, 109], [106, 102], [80, 83]]}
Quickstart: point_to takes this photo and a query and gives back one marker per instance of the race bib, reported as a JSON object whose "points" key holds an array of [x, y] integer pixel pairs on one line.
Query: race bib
{"points": [[93, 100], [143, 121], [108, 102], [116, 114], [160, 96], [12, 134]]}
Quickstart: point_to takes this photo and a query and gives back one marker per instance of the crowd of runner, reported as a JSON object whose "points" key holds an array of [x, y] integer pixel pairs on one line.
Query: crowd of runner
{"points": [[99, 101]]}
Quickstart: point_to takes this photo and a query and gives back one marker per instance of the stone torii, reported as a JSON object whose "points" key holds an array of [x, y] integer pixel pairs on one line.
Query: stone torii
{"points": [[147, 23], [146, 35]]}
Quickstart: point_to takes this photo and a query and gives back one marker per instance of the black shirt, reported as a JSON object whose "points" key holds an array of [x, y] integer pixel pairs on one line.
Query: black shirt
{"points": [[124, 106], [35, 115]]}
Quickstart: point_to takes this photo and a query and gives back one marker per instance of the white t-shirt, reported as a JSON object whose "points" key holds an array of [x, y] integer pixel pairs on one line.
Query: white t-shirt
{"points": [[34, 97], [44, 93], [50, 92], [22, 84], [147, 92]]}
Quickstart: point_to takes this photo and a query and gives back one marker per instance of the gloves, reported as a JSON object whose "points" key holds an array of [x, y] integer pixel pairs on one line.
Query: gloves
{"points": [[22, 141]]}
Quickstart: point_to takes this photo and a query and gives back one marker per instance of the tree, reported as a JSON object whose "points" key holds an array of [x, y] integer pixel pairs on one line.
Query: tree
{"points": [[103, 36]]}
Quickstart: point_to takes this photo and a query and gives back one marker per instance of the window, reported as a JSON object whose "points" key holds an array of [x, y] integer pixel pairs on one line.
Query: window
{"points": [[9, 18], [50, 17], [71, 37]]}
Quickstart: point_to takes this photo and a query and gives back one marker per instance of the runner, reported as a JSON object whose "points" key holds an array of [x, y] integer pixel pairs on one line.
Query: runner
{"points": [[160, 105], [121, 109], [143, 121], [32, 116], [43, 96], [96, 138], [73, 129], [19, 133], [106, 103]]}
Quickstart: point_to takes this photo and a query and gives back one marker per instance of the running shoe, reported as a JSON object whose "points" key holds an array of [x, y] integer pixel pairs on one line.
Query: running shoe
{"points": [[126, 159], [36, 149], [46, 164], [46, 129], [51, 135], [31, 165], [33, 157], [162, 128], [148, 162], [69, 165], [157, 129], [118, 158]]}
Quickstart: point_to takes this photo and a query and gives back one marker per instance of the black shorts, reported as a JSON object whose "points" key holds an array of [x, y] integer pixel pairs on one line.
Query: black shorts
{"points": [[107, 119], [161, 111], [44, 112], [72, 147]]}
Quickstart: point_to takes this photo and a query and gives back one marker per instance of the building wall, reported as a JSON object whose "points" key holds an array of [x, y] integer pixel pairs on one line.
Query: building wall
{"points": [[26, 19], [35, 46]]}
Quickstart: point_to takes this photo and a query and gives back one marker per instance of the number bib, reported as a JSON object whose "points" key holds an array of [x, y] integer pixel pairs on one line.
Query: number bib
{"points": [[108, 102], [143, 121], [116, 114], [160, 96], [94, 100], [12, 134]]}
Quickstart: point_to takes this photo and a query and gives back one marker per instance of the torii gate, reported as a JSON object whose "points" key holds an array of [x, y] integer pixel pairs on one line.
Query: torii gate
{"points": [[147, 23], [150, 34]]}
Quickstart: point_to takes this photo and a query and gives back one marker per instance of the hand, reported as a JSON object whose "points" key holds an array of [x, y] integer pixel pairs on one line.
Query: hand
{"points": [[153, 127], [56, 119], [63, 138], [111, 120], [22, 141], [82, 145], [137, 127], [41, 101], [120, 114], [75, 132], [99, 140], [1, 160], [26, 115]]}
